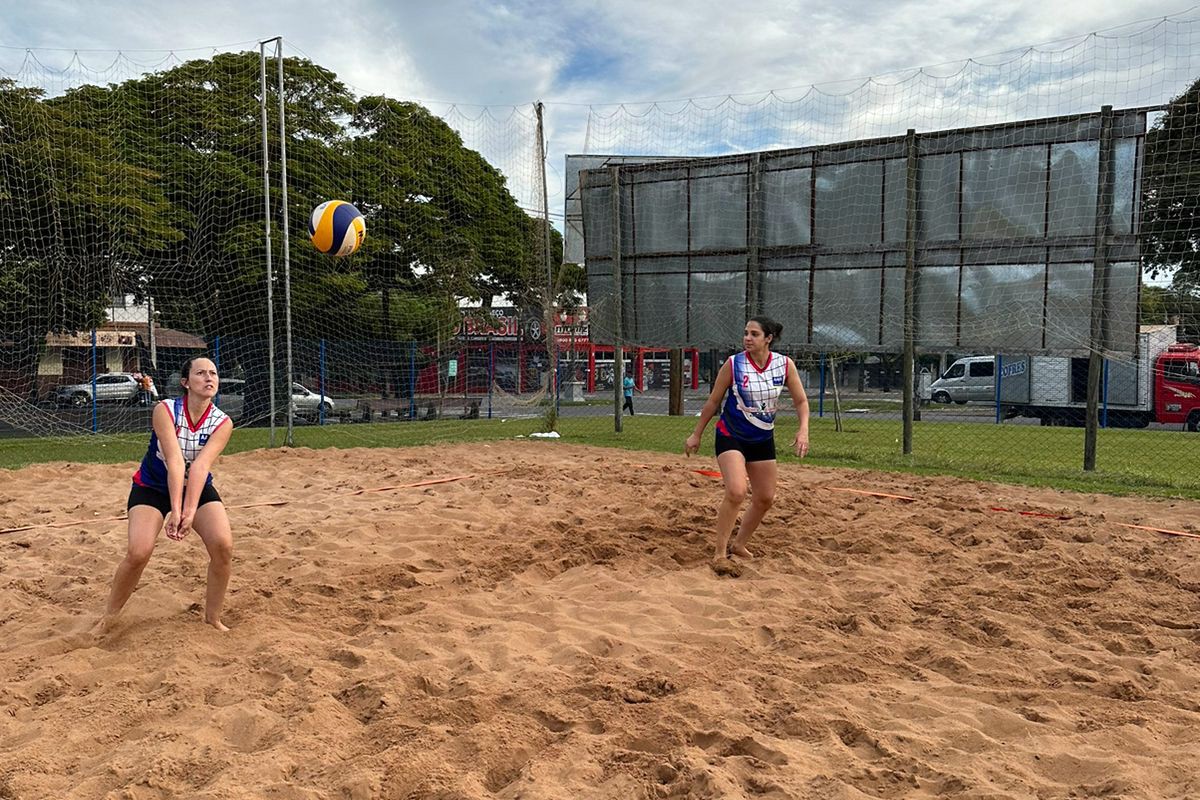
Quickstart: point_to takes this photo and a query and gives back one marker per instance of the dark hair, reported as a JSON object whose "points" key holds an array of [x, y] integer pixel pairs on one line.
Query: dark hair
{"points": [[770, 327]]}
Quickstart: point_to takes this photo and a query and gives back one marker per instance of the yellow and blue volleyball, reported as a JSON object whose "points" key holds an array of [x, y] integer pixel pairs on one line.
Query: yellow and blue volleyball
{"points": [[337, 228]]}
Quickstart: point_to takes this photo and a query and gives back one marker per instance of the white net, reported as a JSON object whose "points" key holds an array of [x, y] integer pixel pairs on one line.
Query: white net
{"points": [[134, 218], [134, 214], [1031, 214]]}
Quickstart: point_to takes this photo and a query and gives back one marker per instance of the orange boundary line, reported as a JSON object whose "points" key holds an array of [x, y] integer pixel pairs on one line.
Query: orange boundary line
{"points": [[1030, 513], [871, 494], [706, 472], [1160, 530], [414, 485]]}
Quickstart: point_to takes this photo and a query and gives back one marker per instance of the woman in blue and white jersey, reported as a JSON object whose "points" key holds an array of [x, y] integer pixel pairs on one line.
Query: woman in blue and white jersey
{"points": [[174, 483], [746, 394]]}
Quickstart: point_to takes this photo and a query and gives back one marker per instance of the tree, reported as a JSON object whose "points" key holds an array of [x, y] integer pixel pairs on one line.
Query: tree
{"points": [[1179, 304], [1171, 189], [442, 217], [75, 217], [198, 128], [154, 186]]}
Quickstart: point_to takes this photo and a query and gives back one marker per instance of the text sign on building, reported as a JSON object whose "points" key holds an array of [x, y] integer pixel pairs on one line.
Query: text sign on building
{"points": [[103, 339]]}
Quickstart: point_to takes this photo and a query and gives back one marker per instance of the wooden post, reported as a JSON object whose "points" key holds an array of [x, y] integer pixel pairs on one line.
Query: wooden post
{"points": [[614, 173], [675, 405], [910, 279], [1099, 328]]}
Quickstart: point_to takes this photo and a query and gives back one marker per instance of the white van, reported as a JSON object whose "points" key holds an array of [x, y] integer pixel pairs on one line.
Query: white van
{"points": [[972, 378]]}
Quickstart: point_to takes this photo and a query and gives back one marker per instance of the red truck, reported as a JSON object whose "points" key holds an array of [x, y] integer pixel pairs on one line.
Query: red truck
{"points": [[1161, 384]]}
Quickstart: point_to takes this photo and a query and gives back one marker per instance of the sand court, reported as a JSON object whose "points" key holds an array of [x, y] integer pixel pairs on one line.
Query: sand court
{"points": [[549, 627]]}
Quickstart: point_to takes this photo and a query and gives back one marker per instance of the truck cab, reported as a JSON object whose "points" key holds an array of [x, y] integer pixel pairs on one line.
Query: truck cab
{"points": [[1177, 386]]}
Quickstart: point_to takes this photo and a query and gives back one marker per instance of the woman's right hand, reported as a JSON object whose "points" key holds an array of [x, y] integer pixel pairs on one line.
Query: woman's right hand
{"points": [[178, 526], [691, 445]]}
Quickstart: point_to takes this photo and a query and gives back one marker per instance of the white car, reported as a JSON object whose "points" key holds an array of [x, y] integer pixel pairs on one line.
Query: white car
{"points": [[112, 387], [307, 403]]}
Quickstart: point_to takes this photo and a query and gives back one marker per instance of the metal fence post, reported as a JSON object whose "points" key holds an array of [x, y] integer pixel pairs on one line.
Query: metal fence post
{"points": [[412, 380], [95, 420]]}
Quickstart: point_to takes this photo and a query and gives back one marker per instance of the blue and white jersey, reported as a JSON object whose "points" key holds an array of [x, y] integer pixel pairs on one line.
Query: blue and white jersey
{"points": [[192, 437], [750, 404]]}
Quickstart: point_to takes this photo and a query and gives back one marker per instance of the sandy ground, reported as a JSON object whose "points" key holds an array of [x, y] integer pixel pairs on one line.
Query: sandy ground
{"points": [[551, 628]]}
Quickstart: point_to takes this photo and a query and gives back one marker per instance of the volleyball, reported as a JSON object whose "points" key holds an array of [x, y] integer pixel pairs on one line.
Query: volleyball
{"points": [[337, 228]]}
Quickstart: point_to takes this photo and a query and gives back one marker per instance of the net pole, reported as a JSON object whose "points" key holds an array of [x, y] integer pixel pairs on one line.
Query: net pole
{"points": [[287, 255], [1099, 326], [551, 344], [262, 82]]}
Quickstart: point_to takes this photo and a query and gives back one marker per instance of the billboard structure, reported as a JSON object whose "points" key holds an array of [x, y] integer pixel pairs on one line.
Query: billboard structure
{"points": [[1017, 238], [573, 211]]}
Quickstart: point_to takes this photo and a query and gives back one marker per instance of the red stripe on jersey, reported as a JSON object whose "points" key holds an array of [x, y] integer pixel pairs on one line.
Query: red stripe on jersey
{"points": [[763, 368], [195, 426]]}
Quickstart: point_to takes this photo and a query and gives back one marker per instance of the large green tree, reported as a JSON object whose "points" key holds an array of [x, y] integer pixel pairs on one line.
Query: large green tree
{"points": [[442, 218], [154, 186], [1170, 223], [75, 217]]}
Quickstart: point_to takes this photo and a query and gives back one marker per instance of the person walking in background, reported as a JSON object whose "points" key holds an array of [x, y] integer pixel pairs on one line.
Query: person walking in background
{"points": [[629, 385]]}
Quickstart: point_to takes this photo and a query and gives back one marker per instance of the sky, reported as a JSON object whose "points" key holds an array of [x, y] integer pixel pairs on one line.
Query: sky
{"points": [[572, 55]]}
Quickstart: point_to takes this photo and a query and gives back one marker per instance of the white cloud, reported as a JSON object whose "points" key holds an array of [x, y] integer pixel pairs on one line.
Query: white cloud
{"points": [[574, 52]]}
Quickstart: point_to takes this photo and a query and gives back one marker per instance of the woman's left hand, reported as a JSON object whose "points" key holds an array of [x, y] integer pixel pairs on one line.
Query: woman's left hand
{"points": [[801, 445]]}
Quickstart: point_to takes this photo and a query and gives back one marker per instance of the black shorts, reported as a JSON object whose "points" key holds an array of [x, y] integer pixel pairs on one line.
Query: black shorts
{"points": [[751, 451], [145, 496]]}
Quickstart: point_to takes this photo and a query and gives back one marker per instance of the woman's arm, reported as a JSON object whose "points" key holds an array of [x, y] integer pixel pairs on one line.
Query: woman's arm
{"points": [[711, 406], [198, 474], [168, 443], [800, 400]]}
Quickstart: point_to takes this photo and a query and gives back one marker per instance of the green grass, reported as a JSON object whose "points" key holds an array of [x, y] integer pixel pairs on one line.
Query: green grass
{"points": [[1129, 461]]}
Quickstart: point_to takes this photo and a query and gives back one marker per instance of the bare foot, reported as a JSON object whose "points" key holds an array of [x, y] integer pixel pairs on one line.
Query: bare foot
{"points": [[738, 550], [104, 625], [216, 623], [724, 566]]}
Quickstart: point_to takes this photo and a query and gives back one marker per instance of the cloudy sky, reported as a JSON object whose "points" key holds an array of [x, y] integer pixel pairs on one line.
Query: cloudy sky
{"points": [[572, 54]]}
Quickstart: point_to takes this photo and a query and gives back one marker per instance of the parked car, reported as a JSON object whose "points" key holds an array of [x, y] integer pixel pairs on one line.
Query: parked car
{"points": [[112, 387], [232, 400], [308, 403], [972, 378]]}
